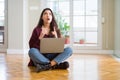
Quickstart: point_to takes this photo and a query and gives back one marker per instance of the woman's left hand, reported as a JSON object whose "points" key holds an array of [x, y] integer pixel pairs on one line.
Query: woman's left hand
{"points": [[54, 33]]}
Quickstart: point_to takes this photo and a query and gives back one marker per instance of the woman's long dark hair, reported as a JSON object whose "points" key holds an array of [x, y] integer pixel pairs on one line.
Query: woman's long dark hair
{"points": [[52, 24]]}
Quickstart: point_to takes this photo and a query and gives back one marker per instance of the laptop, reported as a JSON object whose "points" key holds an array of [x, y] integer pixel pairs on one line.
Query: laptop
{"points": [[52, 45]]}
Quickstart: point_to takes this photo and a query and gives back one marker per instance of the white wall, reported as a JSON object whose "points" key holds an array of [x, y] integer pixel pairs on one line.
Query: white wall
{"points": [[117, 28], [35, 8], [34, 14], [17, 26], [23, 16]]}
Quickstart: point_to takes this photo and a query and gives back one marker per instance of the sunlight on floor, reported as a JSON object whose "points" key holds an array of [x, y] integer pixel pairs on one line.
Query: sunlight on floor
{"points": [[84, 68]]}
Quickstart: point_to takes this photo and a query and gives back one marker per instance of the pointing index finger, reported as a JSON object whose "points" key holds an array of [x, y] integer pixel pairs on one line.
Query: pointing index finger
{"points": [[54, 29]]}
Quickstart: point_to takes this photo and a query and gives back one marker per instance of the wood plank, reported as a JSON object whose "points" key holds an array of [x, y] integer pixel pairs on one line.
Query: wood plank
{"points": [[82, 67]]}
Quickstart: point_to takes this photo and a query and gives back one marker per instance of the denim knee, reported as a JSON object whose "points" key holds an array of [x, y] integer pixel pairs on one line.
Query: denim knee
{"points": [[32, 51], [69, 50]]}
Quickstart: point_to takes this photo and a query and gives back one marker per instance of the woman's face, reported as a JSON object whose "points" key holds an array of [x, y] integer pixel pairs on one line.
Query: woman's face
{"points": [[47, 17]]}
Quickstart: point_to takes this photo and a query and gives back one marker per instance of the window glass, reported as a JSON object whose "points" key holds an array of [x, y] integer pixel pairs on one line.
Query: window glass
{"points": [[1, 38], [78, 36], [91, 37], [78, 7], [1, 13], [78, 21], [64, 8], [91, 21], [91, 7]]}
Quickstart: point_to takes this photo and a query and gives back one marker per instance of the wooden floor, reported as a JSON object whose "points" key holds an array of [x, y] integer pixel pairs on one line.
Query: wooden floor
{"points": [[82, 67]]}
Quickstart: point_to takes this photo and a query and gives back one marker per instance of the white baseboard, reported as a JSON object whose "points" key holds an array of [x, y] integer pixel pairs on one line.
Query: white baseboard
{"points": [[116, 55], [25, 51], [17, 51], [93, 51]]}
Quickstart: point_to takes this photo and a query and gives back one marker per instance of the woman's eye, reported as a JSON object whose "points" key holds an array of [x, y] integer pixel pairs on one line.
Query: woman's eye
{"points": [[45, 13]]}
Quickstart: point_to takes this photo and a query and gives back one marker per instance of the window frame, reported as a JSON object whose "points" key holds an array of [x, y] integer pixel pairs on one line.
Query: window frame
{"points": [[99, 33]]}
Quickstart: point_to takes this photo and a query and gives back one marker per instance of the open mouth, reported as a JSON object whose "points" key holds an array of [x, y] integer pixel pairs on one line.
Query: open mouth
{"points": [[48, 19]]}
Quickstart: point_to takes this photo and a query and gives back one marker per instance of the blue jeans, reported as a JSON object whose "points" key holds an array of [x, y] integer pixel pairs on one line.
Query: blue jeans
{"points": [[38, 57]]}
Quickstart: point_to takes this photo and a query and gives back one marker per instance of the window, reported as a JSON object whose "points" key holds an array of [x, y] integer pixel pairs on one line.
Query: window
{"points": [[84, 18], [1, 22]]}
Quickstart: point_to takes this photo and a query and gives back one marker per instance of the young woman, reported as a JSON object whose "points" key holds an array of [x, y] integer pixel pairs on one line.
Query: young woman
{"points": [[47, 28]]}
